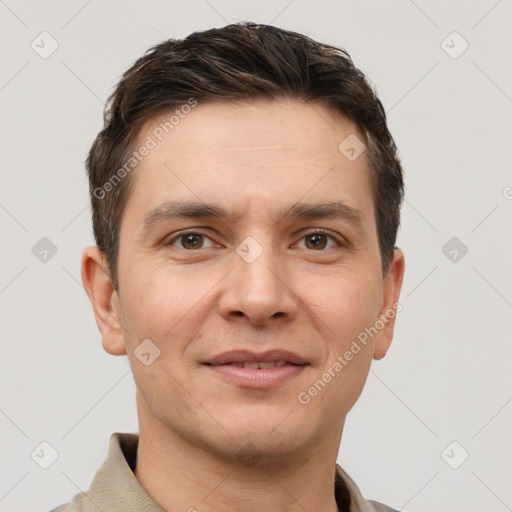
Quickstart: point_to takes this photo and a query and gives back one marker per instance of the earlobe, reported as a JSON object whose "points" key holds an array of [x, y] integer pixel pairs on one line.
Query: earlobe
{"points": [[104, 300], [390, 305]]}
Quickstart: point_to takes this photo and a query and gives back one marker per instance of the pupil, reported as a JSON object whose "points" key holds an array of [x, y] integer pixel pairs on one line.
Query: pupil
{"points": [[318, 240], [192, 240]]}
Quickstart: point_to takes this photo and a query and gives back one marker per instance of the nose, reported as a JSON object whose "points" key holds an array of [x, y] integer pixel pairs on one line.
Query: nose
{"points": [[258, 291]]}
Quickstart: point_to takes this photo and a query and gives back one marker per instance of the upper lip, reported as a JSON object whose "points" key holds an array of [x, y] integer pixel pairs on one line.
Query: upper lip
{"points": [[243, 356]]}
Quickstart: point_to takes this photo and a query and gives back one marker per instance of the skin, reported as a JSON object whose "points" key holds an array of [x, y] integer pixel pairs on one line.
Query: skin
{"points": [[205, 442]]}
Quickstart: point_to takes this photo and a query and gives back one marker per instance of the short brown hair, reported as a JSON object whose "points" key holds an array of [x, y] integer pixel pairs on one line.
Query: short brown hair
{"points": [[241, 61]]}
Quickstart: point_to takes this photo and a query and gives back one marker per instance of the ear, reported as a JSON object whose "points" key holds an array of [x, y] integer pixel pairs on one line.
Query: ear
{"points": [[104, 300], [390, 307]]}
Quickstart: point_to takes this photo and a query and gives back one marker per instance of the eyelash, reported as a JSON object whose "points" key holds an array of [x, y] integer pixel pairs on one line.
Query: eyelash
{"points": [[181, 234]]}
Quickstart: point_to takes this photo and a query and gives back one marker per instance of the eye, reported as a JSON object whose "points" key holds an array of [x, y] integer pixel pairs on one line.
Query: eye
{"points": [[319, 239], [191, 240]]}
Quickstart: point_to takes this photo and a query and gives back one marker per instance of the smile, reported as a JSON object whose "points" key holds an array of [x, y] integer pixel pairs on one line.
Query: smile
{"points": [[257, 375], [260, 364]]}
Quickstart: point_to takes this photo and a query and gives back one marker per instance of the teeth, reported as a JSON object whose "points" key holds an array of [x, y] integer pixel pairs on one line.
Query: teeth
{"points": [[261, 364]]}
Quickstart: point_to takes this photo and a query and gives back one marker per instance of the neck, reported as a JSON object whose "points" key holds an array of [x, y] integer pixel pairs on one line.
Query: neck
{"points": [[181, 475]]}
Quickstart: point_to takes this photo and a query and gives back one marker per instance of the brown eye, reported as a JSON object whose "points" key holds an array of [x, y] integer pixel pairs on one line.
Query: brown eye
{"points": [[192, 241], [317, 241], [189, 241]]}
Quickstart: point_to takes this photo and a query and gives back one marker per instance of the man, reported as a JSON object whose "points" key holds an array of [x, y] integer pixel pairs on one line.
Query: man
{"points": [[246, 197]]}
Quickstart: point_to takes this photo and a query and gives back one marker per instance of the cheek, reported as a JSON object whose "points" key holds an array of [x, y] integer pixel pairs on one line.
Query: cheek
{"points": [[168, 308], [345, 305], [159, 302], [351, 306]]}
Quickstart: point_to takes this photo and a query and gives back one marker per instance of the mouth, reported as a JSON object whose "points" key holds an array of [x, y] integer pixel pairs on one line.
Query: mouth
{"points": [[268, 359], [250, 370], [260, 365]]}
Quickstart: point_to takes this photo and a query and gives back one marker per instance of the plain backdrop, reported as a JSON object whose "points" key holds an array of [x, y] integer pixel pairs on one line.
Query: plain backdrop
{"points": [[443, 392]]}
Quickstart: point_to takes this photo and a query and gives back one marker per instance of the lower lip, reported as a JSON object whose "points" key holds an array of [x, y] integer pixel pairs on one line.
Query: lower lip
{"points": [[257, 378]]}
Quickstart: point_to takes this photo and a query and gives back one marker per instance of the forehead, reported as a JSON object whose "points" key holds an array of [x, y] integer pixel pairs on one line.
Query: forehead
{"points": [[242, 151], [268, 126]]}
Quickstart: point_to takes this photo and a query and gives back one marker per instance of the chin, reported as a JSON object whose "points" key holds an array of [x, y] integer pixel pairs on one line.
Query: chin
{"points": [[259, 448], [269, 437]]}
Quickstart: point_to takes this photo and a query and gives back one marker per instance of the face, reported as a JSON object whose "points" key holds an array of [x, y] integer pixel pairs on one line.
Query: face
{"points": [[248, 230]]}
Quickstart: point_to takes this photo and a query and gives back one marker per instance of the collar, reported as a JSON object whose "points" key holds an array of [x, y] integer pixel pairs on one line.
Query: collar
{"points": [[115, 487]]}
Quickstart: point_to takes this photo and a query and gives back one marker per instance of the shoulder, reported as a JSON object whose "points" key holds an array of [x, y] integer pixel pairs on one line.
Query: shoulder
{"points": [[379, 507], [66, 507]]}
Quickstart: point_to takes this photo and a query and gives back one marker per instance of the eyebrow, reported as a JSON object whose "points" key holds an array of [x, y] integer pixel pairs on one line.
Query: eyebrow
{"points": [[171, 210]]}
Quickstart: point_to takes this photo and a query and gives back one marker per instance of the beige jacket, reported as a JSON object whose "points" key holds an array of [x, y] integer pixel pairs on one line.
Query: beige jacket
{"points": [[115, 488]]}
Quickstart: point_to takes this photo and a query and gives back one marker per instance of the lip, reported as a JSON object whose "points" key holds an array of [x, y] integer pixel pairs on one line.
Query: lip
{"points": [[246, 356], [253, 377]]}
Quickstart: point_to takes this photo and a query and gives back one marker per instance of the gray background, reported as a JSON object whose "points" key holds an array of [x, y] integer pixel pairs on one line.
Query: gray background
{"points": [[447, 376]]}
